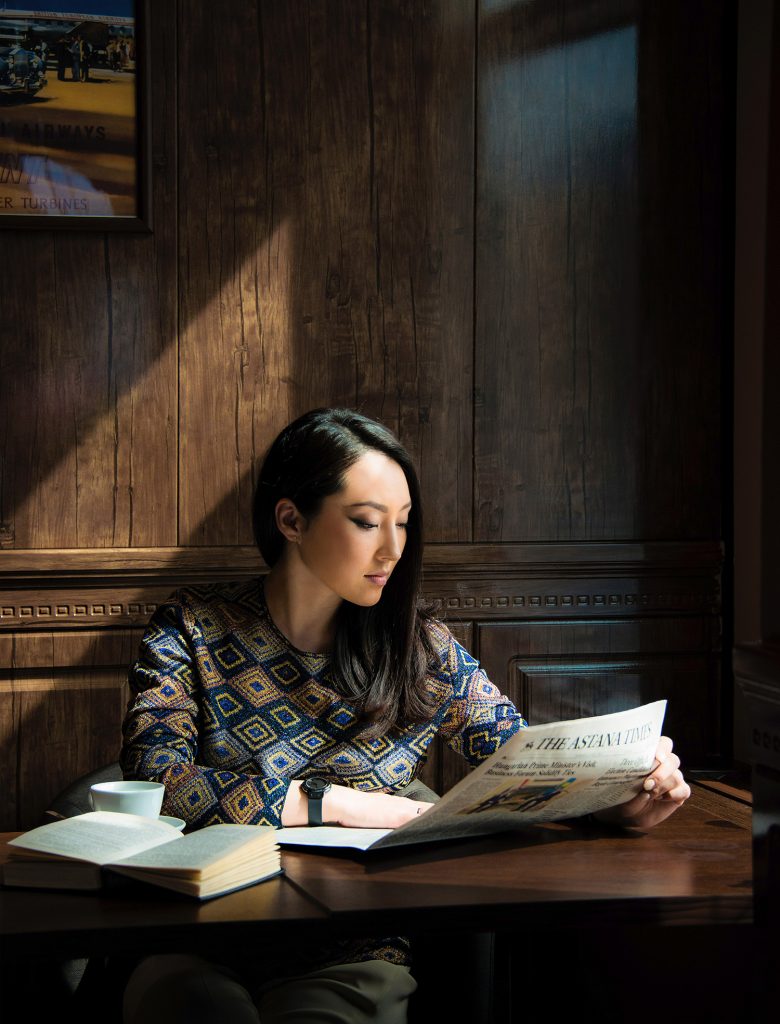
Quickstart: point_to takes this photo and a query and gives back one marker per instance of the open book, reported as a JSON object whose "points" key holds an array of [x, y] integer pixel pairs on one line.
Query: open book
{"points": [[543, 773], [74, 853]]}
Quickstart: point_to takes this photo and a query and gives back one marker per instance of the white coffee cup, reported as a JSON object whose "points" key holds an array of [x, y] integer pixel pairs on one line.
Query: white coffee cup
{"points": [[144, 798]]}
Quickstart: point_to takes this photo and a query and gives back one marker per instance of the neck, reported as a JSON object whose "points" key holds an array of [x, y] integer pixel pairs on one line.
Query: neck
{"points": [[301, 608]]}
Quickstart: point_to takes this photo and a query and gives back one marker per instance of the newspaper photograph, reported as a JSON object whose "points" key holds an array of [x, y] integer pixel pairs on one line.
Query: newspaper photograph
{"points": [[543, 773]]}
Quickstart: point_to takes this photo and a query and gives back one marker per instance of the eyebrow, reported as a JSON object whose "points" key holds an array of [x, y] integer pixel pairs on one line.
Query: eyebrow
{"points": [[376, 505]]}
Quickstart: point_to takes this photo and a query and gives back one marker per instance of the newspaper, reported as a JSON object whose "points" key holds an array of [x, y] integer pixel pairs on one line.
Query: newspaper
{"points": [[543, 773]]}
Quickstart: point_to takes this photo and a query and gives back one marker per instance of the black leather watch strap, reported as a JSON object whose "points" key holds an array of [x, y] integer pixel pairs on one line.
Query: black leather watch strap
{"points": [[315, 789]]}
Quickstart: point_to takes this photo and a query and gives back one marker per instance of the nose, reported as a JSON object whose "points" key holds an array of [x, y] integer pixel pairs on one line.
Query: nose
{"points": [[392, 544]]}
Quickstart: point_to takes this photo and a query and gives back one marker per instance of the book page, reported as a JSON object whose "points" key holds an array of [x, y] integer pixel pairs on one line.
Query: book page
{"points": [[98, 837], [201, 850]]}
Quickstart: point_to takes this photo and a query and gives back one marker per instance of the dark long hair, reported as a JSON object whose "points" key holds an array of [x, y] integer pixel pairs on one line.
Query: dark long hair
{"points": [[381, 653]]}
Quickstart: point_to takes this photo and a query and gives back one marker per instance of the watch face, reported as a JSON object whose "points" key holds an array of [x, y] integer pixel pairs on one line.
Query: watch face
{"points": [[315, 786]]}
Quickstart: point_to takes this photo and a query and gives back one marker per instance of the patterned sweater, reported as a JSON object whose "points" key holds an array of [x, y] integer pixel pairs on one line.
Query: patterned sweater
{"points": [[225, 712]]}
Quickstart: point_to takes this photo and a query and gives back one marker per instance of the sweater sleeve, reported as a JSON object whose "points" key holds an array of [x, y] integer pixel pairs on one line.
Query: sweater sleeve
{"points": [[478, 718], [162, 728]]}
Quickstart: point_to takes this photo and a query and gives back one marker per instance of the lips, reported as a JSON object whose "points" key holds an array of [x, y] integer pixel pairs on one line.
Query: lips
{"points": [[378, 578]]}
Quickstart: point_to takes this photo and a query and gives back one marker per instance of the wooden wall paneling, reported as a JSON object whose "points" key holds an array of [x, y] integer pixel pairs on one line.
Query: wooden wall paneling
{"points": [[69, 650], [600, 270], [62, 700], [120, 587], [757, 665], [68, 724], [10, 720], [56, 395], [56, 725], [333, 255], [556, 373], [238, 382], [757, 717], [770, 437], [417, 365], [538, 581], [85, 461], [560, 670], [142, 339], [686, 152], [324, 203], [71, 621]]}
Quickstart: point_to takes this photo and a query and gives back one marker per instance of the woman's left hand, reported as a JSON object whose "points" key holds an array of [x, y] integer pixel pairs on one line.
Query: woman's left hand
{"points": [[663, 791]]}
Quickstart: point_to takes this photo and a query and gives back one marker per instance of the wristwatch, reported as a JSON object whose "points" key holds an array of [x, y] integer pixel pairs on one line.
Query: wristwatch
{"points": [[315, 789]]}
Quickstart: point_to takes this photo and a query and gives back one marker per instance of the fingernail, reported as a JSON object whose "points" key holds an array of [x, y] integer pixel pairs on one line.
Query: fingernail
{"points": [[649, 784]]}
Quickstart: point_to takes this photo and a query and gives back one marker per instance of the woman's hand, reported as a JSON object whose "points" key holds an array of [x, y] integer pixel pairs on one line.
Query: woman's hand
{"points": [[352, 808], [663, 791]]}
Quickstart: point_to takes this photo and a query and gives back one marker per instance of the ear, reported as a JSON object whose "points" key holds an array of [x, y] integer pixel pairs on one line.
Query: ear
{"points": [[289, 520]]}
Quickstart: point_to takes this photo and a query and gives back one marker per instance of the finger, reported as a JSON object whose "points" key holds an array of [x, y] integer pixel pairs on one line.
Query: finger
{"points": [[662, 753], [673, 788], [659, 784], [663, 749], [660, 776], [678, 793], [670, 782], [667, 770]]}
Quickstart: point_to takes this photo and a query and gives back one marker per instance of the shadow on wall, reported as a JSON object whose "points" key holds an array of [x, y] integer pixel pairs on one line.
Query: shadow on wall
{"points": [[313, 245]]}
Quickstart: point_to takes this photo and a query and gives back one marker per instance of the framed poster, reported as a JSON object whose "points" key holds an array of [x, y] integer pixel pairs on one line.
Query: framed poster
{"points": [[74, 130]]}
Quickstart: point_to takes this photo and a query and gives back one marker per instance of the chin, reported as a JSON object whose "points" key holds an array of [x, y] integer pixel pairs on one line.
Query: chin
{"points": [[367, 600]]}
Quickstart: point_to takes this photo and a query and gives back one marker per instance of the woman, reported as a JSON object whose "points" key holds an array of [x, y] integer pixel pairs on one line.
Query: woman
{"points": [[329, 668]]}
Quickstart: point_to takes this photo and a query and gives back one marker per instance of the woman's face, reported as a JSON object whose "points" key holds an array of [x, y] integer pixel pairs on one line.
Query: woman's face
{"points": [[355, 541]]}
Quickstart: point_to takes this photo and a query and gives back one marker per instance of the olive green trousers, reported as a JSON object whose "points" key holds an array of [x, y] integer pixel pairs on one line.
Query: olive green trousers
{"points": [[178, 989]]}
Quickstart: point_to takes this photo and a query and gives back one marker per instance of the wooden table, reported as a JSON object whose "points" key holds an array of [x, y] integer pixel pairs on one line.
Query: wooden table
{"points": [[694, 869], [667, 915]]}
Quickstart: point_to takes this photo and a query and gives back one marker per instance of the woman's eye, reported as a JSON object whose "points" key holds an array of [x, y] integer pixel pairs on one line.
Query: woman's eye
{"points": [[364, 524]]}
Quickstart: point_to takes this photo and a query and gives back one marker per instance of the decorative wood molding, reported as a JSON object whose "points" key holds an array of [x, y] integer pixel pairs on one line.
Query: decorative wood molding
{"points": [[529, 672], [212, 562], [61, 608], [120, 587]]}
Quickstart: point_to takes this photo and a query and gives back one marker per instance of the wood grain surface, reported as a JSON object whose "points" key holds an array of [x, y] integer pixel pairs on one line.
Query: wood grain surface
{"points": [[501, 229], [692, 870], [326, 249], [88, 367], [598, 278]]}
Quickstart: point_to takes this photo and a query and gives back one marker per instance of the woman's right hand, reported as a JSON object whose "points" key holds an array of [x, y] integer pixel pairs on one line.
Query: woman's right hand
{"points": [[352, 808]]}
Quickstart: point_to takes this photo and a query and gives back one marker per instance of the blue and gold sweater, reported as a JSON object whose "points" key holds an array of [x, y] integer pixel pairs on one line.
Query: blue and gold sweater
{"points": [[225, 712]]}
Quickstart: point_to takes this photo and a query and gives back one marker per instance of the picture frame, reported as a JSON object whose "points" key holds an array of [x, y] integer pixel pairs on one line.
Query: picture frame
{"points": [[75, 135]]}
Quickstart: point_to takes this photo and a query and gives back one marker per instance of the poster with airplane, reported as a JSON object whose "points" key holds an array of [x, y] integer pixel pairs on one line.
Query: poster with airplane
{"points": [[71, 131]]}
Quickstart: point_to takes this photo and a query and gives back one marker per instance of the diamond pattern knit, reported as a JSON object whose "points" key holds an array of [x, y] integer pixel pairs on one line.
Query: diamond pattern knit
{"points": [[226, 712]]}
